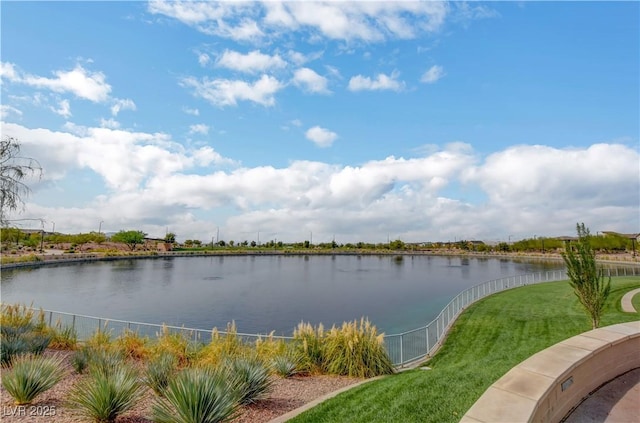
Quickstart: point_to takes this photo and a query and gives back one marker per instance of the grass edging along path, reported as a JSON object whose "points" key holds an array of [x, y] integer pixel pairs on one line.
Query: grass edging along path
{"points": [[487, 340]]}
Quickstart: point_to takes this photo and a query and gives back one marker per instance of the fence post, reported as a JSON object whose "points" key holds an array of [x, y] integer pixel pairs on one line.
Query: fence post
{"points": [[99, 325], [401, 354], [73, 322], [427, 334]]}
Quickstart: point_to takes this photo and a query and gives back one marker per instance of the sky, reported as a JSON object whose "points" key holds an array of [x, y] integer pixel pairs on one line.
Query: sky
{"points": [[353, 121]]}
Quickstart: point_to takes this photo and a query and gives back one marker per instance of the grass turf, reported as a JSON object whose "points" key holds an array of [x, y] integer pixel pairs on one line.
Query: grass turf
{"points": [[487, 340]]}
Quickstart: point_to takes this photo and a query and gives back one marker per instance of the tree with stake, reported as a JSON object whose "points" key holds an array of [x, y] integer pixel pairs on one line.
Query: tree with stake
{"points": [[586, 279], [13, 169]]}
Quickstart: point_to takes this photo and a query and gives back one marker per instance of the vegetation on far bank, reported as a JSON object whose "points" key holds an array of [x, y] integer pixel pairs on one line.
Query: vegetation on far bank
{"points": [[487, 340]]}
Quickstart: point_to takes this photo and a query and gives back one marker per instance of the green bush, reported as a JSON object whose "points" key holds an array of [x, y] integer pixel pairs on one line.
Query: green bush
{"points": [[104, 361], [103, 397], [249, 378], [159, 371], [30, 376], [80, 360], [196, 395], [11, 347]]}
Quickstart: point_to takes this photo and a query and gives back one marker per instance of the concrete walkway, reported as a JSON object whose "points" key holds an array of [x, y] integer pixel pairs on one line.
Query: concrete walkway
{"points": [[616, 402], [627, 305]]}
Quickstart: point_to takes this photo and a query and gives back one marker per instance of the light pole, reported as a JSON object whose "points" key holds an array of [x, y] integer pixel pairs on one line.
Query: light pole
{"points": [[100, 226]]}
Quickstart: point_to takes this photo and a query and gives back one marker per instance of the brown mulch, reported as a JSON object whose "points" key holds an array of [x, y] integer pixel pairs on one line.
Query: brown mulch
{"points": [[285, 395]]}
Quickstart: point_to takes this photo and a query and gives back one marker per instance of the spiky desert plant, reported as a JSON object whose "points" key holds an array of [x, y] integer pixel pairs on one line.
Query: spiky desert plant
{"points": [[308, 342], [356, 349], [10, 348], [249, 378], [159, 372], [104, 361], [80, 360], [103, 397], [285, 365], [196, 396], [31, 375]]}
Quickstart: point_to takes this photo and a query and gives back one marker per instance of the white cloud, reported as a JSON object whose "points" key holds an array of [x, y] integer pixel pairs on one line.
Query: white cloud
{"points": [[64, 109], [6, 110], [122, 104], [189, 111], [199, 128], [226, 92], [296, 122], [8, 70], [310, 81], [321, 137], [152, 181], [203, 59], [109, 123], [351, 21], [252, 62], [84, 84], [381, 82], [433, 74]]}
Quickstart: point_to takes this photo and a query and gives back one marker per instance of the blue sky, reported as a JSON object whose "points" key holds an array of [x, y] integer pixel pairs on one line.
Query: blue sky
{"points": [[359, 120]]}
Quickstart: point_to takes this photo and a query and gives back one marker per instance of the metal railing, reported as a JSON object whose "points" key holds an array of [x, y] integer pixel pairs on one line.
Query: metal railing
{"points": [[403, 348]]}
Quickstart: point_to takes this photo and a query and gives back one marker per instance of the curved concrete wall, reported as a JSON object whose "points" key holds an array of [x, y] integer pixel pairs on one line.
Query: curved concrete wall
{"points": [[549, 384]]}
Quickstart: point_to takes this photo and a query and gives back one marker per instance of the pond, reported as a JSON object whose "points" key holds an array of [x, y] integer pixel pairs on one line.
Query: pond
{"points": [[261, 293]]}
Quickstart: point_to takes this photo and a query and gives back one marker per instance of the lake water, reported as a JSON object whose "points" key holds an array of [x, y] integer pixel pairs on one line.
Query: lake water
{"points": [[261, 293]]}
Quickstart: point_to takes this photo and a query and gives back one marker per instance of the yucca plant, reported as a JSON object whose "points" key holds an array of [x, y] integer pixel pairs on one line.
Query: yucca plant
{"points": [[30, 375], [249, 378], [196, 396], [80, 360], [159, 372], [104, 361], [284, 365], [357, 350], [103, 397], [11, 347]]}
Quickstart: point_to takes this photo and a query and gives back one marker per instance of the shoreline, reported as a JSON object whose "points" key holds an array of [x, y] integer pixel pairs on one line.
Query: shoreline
{"points": [[58, 257]]}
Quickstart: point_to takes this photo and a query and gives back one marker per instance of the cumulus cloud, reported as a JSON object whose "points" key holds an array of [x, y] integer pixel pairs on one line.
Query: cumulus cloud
{"points": [[252, 62], [350, 21], [310, 81], [227, 92], [152, 181], [321, 137], [380, 82], [432, 75]]}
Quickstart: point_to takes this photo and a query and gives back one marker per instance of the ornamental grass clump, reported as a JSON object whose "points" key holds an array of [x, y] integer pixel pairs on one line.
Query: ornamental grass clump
{"points": [[159, 372], [80, 360], [356, 349], [249, 378], [177, 343], [309, 347], [104, 361], [222, 346], [196, 396], [30, 375], [103, 397], [132, 345]]}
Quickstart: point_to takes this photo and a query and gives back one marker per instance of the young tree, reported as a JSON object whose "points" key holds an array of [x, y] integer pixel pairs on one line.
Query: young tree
{"points": [[170, 238], [586, 279], [13, 169], [131, 238]]}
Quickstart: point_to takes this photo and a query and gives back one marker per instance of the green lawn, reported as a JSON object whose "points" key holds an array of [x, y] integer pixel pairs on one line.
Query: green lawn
{"points": [[487, 340]]}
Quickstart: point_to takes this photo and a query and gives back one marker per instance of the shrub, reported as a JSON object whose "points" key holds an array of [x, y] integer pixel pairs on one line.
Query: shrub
{"points": [[11, 347], [159, 371], [196, 395], [101, 339], [30, 376], [103, 397], [249, 378], [356, 349], [309, 347], [268, 348], [63, 338]]}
